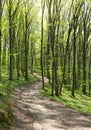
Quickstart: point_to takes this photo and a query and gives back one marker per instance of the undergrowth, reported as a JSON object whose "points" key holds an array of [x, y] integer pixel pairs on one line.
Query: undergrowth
{"points": [[6, 86], [80, 103]]}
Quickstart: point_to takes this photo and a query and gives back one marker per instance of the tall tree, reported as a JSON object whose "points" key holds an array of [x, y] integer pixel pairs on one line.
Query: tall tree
{"points": [[1, 12], [42, 67], [0, 34], [11, 29]]}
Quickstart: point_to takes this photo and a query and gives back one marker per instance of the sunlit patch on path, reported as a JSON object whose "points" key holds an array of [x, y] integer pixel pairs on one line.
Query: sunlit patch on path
{"points": [[33, 112]]}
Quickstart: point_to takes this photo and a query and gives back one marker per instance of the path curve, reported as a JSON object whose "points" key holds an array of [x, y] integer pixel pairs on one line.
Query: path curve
{"points": [[32, 111]]}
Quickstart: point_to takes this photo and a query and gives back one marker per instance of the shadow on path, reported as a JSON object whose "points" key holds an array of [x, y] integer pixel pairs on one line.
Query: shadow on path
{"points": [[34, 112]]}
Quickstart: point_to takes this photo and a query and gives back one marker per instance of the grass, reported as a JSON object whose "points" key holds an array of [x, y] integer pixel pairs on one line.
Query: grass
{"points": [[80, 103], [6, 87]]}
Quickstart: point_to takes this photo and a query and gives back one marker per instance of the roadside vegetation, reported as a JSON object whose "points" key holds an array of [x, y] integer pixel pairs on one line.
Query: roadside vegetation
{"points": [[80, 102], [6, 88]]}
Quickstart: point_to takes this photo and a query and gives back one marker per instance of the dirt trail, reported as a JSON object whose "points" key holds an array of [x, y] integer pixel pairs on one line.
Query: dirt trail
{"points": [[33, 112]]}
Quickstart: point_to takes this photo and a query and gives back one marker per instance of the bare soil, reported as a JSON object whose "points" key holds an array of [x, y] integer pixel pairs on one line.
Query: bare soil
{"points": [[32, 111]]}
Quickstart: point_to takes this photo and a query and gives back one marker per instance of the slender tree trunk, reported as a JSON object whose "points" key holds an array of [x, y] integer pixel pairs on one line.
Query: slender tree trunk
{"points": [[74, 60], [4, 60], [84, 60], [18, 58], [79, 59], [69, 67], [89, 76], [26, 42], [42, 67], [26, 56], [0, 35], [56, 64], [10, 42], [49, 41], [48, 55], [53, 74], [32, 55]]}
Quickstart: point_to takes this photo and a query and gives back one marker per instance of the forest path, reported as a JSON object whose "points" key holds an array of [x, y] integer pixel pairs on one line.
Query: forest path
{"points": [[32, 111]]}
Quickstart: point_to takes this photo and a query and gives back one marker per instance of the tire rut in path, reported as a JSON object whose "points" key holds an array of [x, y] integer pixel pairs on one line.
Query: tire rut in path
{"points": [[32, 111]]}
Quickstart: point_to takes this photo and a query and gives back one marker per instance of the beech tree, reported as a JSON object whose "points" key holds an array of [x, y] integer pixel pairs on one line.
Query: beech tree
{"points": [[1, 13], [41, 58]]}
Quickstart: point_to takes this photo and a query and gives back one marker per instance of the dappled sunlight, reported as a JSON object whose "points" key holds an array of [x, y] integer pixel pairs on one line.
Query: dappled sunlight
{"points": [[45, 63], [32, 110]]}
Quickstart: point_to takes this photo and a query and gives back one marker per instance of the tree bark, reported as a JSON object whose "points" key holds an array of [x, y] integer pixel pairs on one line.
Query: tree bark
{"points": [[42, 32]]}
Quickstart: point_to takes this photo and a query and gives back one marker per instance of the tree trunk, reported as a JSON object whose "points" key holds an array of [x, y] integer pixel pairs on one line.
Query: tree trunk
{"points": [[89, 76], [10, 42], [84, 58], [74, 60], [0, 36], [42, 21]]}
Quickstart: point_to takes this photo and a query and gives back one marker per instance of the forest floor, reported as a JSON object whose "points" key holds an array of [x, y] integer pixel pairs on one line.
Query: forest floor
{"points": [[32, 111]]}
